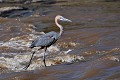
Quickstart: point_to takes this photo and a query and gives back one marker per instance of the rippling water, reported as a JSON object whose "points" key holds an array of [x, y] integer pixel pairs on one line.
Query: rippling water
{"points": [[88, 50]]}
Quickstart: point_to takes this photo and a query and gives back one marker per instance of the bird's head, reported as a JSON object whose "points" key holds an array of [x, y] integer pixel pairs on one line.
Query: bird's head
{"points": [[61, 18]]}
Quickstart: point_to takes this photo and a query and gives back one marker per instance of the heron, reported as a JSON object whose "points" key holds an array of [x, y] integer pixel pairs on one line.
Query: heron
{"points": [[46, 40]]}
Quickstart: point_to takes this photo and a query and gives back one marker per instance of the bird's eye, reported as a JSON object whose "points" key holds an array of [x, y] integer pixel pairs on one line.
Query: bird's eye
{"points": [[61, 18]]}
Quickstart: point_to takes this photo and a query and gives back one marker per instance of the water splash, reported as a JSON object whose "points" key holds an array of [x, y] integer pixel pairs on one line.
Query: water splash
{"points": [[67, 44], [16, 61]]}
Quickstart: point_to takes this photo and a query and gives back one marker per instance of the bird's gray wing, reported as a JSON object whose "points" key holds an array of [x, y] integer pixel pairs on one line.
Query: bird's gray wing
{"points": [[43, 40]]}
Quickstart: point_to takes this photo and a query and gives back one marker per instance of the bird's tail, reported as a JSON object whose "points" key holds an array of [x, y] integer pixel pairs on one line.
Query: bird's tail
{"points": [[31, 46]]}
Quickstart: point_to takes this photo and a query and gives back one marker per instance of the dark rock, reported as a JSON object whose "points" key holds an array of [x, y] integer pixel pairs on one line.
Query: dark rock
{"points": [[28, 1], [25, 1], [13, 1], [5, 11], [1, 1]]}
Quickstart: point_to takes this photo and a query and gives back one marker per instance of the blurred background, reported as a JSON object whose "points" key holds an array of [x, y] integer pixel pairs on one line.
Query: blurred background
{"points": [[89, 48]]}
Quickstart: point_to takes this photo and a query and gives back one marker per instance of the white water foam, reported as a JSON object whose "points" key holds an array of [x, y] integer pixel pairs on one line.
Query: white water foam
{"points": [[16, 61]]}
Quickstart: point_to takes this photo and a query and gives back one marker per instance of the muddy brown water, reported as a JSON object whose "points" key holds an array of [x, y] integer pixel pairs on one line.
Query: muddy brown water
{"points": [[93, 34]]}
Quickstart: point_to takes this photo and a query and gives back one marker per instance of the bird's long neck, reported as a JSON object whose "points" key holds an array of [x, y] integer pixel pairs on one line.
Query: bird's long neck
{"points": [[60, 26]]}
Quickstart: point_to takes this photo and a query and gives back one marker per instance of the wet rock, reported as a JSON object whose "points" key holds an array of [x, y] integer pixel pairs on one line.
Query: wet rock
{"points": [[5, 11], [11, 1], [44, 1], [1, 1], [50, 1], [25, 1], [38, 0]]}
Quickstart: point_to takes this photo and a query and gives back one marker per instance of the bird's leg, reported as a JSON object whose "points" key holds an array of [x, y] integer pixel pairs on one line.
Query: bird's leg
{"points": [[29, 61], [44, 57]]}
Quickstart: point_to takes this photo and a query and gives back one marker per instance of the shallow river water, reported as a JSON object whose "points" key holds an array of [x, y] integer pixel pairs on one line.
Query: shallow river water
{"points": [[89, 48]]}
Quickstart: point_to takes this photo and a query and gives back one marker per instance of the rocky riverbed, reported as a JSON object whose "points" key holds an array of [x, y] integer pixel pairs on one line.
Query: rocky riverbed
{"points": [[89, 49]]}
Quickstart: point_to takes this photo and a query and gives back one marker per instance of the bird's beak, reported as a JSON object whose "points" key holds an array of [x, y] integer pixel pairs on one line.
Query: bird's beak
{"points": [[65, 19]]}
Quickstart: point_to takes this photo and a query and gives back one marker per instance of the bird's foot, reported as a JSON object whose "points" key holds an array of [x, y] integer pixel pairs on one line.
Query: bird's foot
{"points": [[26, 67]]}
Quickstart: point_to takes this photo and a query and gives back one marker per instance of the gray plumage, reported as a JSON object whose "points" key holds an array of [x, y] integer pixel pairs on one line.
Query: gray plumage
{"points": [[46, 40]]}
